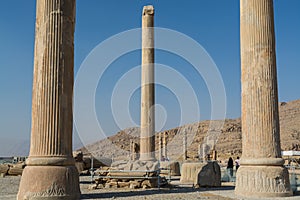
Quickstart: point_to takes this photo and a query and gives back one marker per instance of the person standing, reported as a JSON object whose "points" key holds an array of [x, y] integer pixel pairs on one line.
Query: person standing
{"points": [[237, 163], [230, 168]]}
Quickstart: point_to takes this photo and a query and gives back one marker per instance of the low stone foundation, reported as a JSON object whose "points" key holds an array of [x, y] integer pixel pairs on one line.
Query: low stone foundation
{"points": [[170, 168], [12, 169], [129, 174], [201, 174]]}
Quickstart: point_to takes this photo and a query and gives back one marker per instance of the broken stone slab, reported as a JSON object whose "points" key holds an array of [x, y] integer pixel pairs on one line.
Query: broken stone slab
{"points": [[209, 175], [97, 162], [78, 156], [119, 163], [149, 183], [136, 165], [202, 174], [4, 168], [134, 185], [93, 187], [170, 167], [16, 169], [131, 174], [189, 171]]}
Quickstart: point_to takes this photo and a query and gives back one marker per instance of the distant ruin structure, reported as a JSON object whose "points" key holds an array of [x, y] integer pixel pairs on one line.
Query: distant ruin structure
{"points": [[147, 140], [134, 150], [50, 172], [184, 146], [162, 143], [262, 173]]}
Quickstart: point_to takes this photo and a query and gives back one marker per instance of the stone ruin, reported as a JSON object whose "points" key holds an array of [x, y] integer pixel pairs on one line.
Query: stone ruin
{"points": [[129, 174], [11, 169], [51, 134], [204, 174], [85, 163]]}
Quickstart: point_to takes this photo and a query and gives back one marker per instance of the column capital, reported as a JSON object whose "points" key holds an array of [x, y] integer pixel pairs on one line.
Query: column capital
{"points": [[148, 10]]}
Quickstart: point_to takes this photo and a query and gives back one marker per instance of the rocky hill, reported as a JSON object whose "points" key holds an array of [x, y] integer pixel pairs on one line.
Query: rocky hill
{"points": [[225, 136]]}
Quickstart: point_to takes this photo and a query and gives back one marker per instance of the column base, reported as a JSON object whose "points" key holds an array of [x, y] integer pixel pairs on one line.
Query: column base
{"points": [[147, 157], [49, 182], [262, 181]]}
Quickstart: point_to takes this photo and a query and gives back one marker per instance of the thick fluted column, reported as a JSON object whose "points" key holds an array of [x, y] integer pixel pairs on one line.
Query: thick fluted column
{"points": [[261, 173], [147, 142], [50, 172]]}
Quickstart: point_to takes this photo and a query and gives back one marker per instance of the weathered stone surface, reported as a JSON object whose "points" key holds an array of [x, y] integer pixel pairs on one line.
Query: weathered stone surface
{"points": [[4, 168], [97, 162], [201, 174], [78, 156], [189, 171], [130, 174], [170, 167], [263, 181], [50, 172], [147, 140], [135, 165], [209, 175], [134, 150], [261, 173], [16, 169], [55, 182]]}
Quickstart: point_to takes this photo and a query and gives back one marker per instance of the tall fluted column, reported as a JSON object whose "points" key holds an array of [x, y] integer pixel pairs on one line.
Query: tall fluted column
{"points": [[50, 172], [147, 142], [184, 146], [261, 173], [165, 150]]}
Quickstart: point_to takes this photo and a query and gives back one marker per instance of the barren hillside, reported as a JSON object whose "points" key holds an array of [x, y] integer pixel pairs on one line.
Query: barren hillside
{"points": [[228, 138]]}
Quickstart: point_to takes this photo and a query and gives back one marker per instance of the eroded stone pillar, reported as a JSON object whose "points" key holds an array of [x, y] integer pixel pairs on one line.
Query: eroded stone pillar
{"points": [[147, 141], [184, 146], [261, 173], [165, 145], [50, 172], [160, 145]]}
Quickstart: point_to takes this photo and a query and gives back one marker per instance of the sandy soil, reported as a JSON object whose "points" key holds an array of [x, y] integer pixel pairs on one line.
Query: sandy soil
{"points": [[9, 188]]}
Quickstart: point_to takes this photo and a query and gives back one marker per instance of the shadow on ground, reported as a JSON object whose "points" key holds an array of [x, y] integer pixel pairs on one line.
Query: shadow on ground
{"points": [[136, 193]]}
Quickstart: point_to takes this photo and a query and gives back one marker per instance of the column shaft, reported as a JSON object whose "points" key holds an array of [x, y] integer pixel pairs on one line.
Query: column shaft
{"points": [[261, 172], [50, 171], [165, 150], [160, 147], [184, 146], [147, 141]]}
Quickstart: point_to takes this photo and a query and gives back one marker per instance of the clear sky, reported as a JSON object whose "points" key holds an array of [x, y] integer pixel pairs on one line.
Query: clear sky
{"points": [[214, 24]]}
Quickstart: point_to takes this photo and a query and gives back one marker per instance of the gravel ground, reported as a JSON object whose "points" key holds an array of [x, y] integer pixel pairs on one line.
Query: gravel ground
{"points": [[9, 188]]}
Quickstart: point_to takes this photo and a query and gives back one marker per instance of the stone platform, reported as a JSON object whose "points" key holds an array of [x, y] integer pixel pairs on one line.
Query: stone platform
{"points": [[129, 174]]}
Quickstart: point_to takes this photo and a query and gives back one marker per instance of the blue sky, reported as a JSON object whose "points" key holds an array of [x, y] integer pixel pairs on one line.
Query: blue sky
{"points": [[212, 23]]}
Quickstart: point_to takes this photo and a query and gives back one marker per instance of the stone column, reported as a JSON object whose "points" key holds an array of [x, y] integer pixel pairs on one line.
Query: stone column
{"points": [[184, 146], [160, 146], [165, 150], [204, 150], [131, 150], [261, 173], [147, 141], [50, 172]]}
